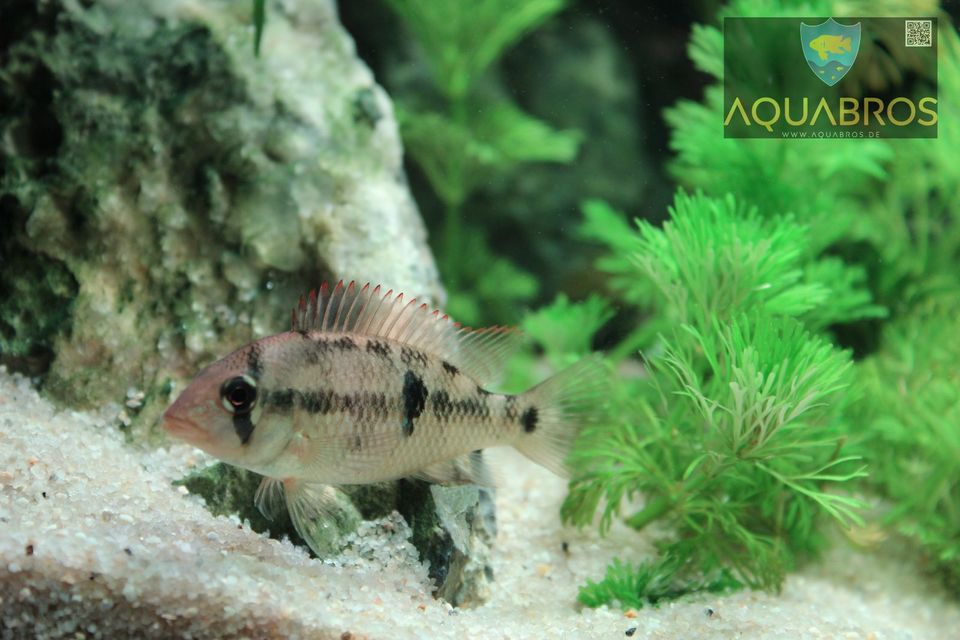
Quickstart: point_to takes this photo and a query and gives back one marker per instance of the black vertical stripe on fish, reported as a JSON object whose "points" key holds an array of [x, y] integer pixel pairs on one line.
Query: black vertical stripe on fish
{"points": [[243, 427], [254, 366], [408, 356], [529, 419], [344, 344], [510, 408], [414, 400], [317, 401], [378, 348], [449, 368], [443, 408], [316, 349]]}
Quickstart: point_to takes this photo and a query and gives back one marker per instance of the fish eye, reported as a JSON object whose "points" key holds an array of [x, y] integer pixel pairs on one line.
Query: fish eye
{"points": [[239, 395]]}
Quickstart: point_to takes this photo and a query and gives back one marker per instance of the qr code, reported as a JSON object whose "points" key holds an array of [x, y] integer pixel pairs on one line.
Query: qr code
{"points": [[919, 33]]}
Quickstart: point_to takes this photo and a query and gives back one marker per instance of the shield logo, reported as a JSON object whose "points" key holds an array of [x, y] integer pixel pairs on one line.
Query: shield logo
{"points": [[830, 48]]}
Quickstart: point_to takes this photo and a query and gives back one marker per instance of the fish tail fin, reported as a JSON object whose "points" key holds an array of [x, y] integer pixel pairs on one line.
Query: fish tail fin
{"points": [[558, 408]]}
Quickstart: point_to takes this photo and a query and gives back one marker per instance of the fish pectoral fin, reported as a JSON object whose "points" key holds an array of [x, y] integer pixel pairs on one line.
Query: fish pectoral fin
{"points": [[469, 468], [319, 514], [269, 498]]}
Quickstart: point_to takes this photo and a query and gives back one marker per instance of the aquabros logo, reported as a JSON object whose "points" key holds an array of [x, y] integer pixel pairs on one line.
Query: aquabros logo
{"points": [[830, 49], [875, 77]]}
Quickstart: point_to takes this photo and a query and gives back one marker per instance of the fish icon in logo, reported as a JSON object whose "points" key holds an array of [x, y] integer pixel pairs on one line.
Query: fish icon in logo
{"points": [[830, 48]]}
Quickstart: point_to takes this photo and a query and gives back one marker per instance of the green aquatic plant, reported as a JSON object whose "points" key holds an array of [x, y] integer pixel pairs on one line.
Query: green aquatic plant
{"points": [[259, 20], [754, 426], [467, 138], [907, 423], [735, 439], [890, 212]]}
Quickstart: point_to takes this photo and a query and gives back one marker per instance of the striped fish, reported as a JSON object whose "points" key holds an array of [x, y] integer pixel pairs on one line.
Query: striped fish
{"points": [[368, 387]]}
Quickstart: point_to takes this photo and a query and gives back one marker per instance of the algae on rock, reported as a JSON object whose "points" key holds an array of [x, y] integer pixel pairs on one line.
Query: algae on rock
{"points": [[165, 196]]}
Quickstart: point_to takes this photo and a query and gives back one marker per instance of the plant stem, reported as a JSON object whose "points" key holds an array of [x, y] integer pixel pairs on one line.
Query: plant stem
{"points": [[651, 511], [453, 228], [451, 245], [642, 336]]}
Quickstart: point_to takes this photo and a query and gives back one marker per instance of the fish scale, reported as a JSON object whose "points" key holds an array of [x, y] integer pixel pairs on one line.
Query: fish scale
{"points": [[367, 387], [457, 414]]}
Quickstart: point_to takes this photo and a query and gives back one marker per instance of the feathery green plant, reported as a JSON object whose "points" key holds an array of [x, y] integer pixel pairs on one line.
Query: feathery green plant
{"points": [[891, 209], [466, 138], [908, 426], [738, 440], [735, 441]]}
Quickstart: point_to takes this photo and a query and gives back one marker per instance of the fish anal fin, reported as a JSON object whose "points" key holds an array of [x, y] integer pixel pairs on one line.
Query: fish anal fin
{"points": [[368, 311], [469, 468]]}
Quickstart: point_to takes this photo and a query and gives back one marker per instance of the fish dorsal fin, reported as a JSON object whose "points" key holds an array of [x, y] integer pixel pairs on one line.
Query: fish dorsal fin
{"points": [[368, 311]]}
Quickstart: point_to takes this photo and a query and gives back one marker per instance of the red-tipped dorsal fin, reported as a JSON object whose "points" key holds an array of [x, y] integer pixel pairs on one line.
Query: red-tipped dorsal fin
{"points": [[366, 311]]}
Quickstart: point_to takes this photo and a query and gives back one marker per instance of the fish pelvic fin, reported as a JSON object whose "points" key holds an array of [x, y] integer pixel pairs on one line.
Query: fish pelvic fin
{"points": [[269, 498], [557, 410]]}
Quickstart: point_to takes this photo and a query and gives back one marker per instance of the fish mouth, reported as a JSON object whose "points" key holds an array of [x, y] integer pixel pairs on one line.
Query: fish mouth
{"points": [[180, 428]]}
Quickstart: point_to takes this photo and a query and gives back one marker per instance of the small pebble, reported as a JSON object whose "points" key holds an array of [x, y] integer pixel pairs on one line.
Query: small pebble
{"points": [[629, 632]]}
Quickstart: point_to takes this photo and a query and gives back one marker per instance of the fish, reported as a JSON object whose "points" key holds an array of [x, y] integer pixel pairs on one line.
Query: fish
{"points": [[366, 387], [832, 44]]}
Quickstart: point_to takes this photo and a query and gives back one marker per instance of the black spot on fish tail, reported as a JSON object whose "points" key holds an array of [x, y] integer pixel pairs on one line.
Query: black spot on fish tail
{"points": [[414, 399], [443, 408], [344, 344], [321, 402], [243, 427], [449, 368], [254, 364], [529, 419], [378, 348], [408, 356]]}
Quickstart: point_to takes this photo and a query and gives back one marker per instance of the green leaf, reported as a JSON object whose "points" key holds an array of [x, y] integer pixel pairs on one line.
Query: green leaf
{"points": [[518, 137], [566, 329], [462, 39], [259, 20], [456, 158]]}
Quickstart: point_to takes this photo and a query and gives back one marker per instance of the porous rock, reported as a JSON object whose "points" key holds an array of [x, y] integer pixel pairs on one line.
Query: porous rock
{"points": [[166, 196]]}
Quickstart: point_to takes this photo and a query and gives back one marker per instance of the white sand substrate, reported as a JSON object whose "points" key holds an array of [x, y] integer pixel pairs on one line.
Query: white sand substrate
{"points": [[95, 542]]}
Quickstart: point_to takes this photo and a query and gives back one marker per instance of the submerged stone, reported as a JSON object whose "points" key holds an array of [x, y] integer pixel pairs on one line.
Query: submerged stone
{"points": [[166, 196], [453, 528]]}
